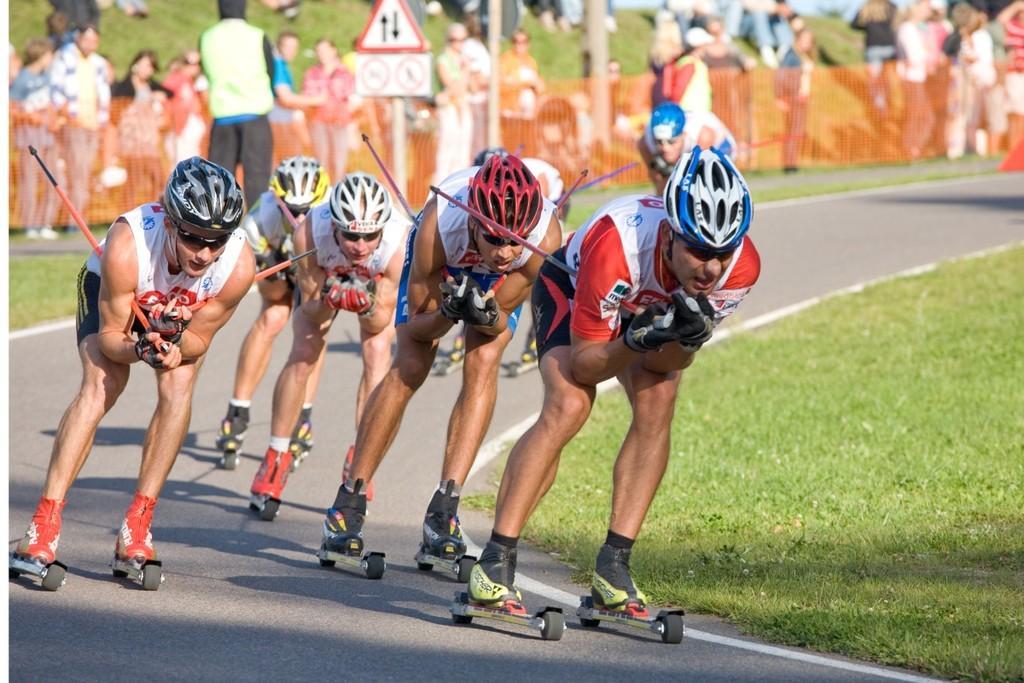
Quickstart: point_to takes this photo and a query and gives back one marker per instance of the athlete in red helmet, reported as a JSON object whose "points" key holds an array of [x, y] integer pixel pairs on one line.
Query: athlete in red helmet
{"points": [[453, 267]]}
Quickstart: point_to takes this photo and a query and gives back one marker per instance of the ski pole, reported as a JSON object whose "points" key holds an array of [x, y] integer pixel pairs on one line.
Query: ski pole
{"points": [[391, 181], [609, 175], [565, 195]]}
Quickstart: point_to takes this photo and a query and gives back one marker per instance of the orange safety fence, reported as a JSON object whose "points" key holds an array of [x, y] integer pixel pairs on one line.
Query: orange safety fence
{"points": [[848, 117]]}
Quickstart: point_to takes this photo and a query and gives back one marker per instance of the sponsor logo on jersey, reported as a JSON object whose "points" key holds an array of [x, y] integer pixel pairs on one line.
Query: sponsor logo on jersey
{"points": [[613, 299], [634, 220], [148, 222], [207, 283], [459, 197]]}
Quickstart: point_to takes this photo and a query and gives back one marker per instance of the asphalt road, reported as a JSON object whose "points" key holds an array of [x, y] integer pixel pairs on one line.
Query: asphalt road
{"points": [[246, 599]]}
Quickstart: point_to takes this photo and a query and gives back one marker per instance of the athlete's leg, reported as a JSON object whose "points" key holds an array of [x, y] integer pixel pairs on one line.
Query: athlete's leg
{"points": [[310, 325], [168, 427], [644, 454], [313, 383], [102, 383], [385, 406], [534, 458], [474, 407], [376, 349], [254, 357]]}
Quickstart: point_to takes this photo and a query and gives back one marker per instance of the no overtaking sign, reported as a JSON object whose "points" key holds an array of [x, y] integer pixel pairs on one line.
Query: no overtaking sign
{"points": [[391, 57]]}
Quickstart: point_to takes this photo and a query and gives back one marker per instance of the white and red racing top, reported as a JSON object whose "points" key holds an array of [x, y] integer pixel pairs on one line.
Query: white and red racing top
{"points": [[453, 225], [618, 256], [156, 284], [331, 258], [265, 225]]}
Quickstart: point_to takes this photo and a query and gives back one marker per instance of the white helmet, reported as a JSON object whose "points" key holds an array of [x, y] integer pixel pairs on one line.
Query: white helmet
{"points": [[300, 182], [707, 201], [360, 204]]}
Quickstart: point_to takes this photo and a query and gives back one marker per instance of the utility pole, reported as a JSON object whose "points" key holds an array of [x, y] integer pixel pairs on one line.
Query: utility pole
{"points": [[493, 93], [597, 47]]}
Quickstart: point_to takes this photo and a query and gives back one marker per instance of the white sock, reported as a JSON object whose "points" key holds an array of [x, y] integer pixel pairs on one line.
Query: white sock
{"points": [[280, 443], [239, 403]]}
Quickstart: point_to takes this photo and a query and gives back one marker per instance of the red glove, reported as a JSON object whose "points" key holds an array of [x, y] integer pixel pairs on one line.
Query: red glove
{"points": [[346, 295]]}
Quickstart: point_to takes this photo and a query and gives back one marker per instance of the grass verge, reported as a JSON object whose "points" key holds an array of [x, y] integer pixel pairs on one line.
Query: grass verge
{"points": [[43, 288], [850, 479]]}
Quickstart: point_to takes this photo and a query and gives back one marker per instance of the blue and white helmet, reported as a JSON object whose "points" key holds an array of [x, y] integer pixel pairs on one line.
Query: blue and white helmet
{"points": [[707, 201], [667, 121]]}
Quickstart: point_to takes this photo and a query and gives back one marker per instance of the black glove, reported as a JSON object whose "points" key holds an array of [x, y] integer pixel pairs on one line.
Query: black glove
{"points": [[170, 327], [688, 321], [465, 301], [660, 166], [147, 352]]}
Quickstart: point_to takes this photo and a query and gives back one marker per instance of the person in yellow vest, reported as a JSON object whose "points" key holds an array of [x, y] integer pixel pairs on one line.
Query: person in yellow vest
{"points": [[238, 60], [688, 84]]}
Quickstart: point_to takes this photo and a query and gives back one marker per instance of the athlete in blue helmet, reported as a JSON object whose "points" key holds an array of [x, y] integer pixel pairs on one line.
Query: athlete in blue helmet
{"points": [[654, 277], [670, 131]]}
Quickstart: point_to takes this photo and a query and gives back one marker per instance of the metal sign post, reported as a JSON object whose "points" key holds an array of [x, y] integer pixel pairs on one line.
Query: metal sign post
{"points": [[392, 61]]}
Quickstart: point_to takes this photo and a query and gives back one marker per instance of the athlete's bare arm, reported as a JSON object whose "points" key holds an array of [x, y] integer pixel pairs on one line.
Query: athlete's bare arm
{"points": [[310, 278], [518, 284], [215, 314], [386, 296], [119, 272], [426, 322], [595, 361], [668, 358]]}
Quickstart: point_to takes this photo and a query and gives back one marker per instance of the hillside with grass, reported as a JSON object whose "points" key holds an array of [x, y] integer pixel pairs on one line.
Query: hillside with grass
{"points": [[174, 27]]}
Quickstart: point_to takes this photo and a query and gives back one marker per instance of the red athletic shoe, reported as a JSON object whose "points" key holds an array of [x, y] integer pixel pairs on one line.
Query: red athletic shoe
{"points": [[272, 474], [348, 468], [135, 541], [40, 540]]}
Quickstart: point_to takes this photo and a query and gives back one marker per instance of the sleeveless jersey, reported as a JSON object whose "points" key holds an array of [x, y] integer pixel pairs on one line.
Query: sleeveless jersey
{"points": [[155, 282], [453, 226], [330, 257], [619, 263], [266, 226]]}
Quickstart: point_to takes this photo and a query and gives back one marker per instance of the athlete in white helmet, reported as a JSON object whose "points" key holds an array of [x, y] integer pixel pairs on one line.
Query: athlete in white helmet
{"points": [[654, 276], [298, 183], [167, 257], [360, 245]]}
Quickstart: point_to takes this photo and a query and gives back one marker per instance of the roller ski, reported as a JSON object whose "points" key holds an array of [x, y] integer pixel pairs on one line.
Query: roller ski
{"points": [[443, 545], [36, 554], [302, 438], [614, 598], [268, 485], [527, 361], [342, 542], [134, 555], [349, 457], [232, 433], [450, 361], [492, 595]]}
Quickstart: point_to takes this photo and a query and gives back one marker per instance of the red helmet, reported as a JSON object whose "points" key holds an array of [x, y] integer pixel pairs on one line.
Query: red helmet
{"points": [[505, 191]]}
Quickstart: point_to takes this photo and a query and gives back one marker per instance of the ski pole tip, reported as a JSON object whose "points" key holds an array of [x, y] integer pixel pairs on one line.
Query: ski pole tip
{"points": [[366, 138]]}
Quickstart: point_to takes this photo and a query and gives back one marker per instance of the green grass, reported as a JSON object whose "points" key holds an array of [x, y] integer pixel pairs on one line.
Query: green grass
{"points": [[850, 479], [179, 24], [42, 288]]}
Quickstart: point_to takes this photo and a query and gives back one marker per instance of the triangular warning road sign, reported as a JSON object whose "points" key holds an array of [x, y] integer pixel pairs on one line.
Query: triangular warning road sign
{"points": [[391, 28]]}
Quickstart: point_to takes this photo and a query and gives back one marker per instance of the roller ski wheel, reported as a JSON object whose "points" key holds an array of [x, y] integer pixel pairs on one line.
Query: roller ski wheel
{"points": [[232, 433], [372, 564], [51, 576], [229, 460], [146, 573], [668, 624], [550, 621], [459, 567], [266, 507]]}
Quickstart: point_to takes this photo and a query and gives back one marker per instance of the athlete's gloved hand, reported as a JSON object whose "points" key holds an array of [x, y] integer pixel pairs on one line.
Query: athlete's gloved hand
{"points": [[348, 294], [687, 320], [463, 300], [170, 320], [156, 352]]}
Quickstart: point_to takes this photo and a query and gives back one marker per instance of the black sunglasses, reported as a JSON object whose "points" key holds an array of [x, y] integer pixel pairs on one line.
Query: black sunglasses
{"points": [[357, 236], [490, 237], [199, 242]]}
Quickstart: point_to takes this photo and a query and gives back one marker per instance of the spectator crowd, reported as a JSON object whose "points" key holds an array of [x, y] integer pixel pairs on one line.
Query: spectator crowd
{"points": [[946, 80]]}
